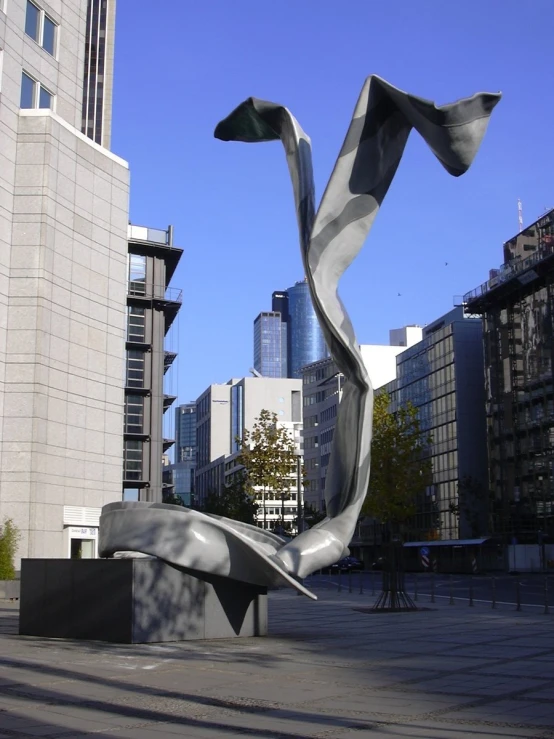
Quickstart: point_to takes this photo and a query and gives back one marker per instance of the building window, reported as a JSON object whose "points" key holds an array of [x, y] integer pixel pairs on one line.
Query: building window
{"points": [[134, 414], [136, 322], [132, 460], [33, 94], [40, 27], [135, 368], [137, 274], [130, 494]]}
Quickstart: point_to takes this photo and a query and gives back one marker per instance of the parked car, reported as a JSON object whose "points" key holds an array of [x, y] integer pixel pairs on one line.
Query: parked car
{"points": [[347, 564]]}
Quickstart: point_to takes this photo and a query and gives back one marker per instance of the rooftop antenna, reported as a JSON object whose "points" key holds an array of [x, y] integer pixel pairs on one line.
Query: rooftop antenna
{"points": [[520, 214]]}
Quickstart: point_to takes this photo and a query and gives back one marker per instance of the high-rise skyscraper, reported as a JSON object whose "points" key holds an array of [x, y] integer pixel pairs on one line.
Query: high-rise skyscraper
{"points": [[98, 71], [270, 345], [289, 337], [63, 285], [185, 432], [305, 337], [181, 473]]}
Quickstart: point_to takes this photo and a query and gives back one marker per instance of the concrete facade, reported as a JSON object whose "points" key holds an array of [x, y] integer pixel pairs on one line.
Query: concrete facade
{"points": [[63, 273]]}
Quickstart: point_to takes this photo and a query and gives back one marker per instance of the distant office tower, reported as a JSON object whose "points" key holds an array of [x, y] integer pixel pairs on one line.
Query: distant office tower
{"points": [[305, 337], [289, 337], [180, 475], [98, 71], [270, 351], [185, 432]]}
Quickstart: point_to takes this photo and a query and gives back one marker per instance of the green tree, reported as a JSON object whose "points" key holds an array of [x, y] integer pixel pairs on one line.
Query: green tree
{"points": [[311, 515], [472, 508], [268, 455], [233, 502], [172, 499], [9, 538], [400, 472], [400, 469]]}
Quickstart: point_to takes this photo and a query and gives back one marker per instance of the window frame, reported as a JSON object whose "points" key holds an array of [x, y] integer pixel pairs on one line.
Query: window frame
{"points": [[39, 40], [38, 87], [134, 414], [130, 460]]}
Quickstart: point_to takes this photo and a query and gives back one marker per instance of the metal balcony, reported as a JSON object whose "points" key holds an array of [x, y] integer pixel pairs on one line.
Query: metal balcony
{"points": [[139, 289], [169, 358], [168, 401]]}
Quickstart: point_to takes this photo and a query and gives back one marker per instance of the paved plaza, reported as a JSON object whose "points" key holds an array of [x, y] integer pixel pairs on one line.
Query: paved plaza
{"points": [[327, 670]]}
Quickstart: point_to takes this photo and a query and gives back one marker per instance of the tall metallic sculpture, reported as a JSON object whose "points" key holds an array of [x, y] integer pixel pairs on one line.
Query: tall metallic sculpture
{"points": [[330, 239]]}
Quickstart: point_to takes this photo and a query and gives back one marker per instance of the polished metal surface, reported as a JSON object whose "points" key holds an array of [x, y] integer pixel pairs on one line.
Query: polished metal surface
{"points": [[330, 240]]}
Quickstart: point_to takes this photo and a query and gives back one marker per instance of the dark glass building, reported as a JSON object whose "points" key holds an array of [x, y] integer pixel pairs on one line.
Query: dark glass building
{"points": [[270, 348], [517, 306], [443, 377], [305, 337], [98, 71], [289, 337]]}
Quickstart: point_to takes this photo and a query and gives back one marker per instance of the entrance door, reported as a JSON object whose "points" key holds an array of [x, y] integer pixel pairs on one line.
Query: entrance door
{"points": [[82, 548]]}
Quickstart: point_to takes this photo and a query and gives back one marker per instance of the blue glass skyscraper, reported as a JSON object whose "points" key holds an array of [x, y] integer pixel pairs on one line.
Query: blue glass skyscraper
{"points": [[289, 337], [305, 337], [270, 345]]}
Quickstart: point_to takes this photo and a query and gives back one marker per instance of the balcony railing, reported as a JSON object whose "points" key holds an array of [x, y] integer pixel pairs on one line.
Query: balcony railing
{"points": [[137, 289], [510, 270], [155, 235]]}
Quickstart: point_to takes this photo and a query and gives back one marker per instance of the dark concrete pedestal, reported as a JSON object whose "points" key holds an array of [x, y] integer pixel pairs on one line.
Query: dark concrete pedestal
{"points": [[135, 601]]}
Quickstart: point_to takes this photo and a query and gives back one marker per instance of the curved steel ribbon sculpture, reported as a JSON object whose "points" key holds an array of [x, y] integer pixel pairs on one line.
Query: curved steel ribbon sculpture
{"points": [[330, 240]]}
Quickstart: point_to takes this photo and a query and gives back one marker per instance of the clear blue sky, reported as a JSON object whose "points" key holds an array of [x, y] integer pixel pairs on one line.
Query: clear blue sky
{"points": [[184, 65]]}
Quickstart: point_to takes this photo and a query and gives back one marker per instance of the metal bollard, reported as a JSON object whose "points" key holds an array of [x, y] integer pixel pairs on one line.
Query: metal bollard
{"points": [[415, 586], [546, 606], [432, 587], [518, 596], [471, 591], [361, 582], [493, 586], [340, 582], [451, 599], [349, 581], [372, 583]]}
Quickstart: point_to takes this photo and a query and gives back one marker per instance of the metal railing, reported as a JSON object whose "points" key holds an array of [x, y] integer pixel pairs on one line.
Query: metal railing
{"points": [[435, 589], [154, 292], [510, 270]]}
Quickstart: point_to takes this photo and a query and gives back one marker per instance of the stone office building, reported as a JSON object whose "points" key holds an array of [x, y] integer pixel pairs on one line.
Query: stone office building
{"points": [[64, 211]]}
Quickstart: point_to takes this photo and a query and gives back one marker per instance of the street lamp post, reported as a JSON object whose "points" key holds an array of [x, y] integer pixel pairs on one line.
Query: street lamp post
{"points": [[299, 501]]}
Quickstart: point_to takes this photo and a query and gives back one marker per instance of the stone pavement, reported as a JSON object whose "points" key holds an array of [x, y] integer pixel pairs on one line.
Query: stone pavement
{"points": [[327, 671]]}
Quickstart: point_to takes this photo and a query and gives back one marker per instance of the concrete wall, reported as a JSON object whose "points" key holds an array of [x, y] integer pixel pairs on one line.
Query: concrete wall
{"points": [[63, 406]]}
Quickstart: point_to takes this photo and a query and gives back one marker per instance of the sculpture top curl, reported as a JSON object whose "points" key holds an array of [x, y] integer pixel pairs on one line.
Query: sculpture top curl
{"points": [[330, 240]]}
